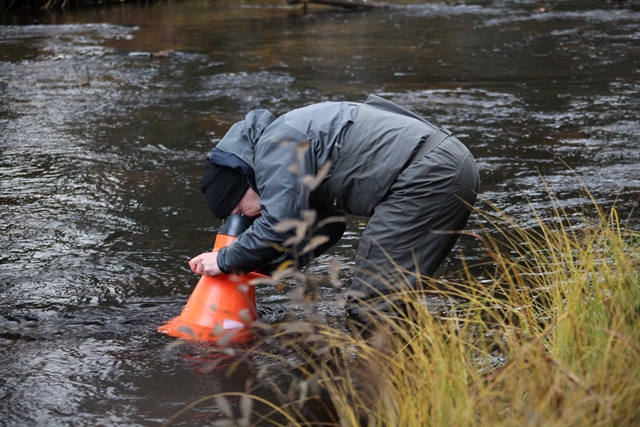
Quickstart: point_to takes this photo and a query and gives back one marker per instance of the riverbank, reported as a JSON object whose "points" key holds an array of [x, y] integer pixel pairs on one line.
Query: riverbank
{"points": [[548, 337]]}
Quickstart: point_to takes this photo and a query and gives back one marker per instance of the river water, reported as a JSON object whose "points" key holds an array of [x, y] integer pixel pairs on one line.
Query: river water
{"points": [[102, 146]]}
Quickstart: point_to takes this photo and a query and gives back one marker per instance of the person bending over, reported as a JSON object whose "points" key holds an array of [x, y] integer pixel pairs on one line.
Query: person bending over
{"points": [[374, 159]]}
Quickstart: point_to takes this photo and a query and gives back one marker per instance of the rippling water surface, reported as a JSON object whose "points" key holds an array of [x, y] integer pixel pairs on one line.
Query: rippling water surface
{"points": [[102, 144]]}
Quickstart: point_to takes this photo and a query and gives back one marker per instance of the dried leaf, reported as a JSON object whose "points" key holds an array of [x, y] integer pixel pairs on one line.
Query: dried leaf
{"points": [[309, 182], [277, 246], [290, 272], [331, 219], [295, 169], [264, 326], [227, 337], [293, 240], [175, 344], [245, 315], [302, 148], [297, 328], [246, 407], [334, 269], [334, 273], [312, 338], [323, 350], [293, 388], [229, 351], [312, 182], [319, 318], [224, 423], [314, 385], [279, 275], [309, 217], [224, 405], [287, 225], [262, 372], [285, 143], [314, 243], [299, 276], [263, 281], [217, 330], [304, 393], [297, 294], [210, 367], [187, 330]]}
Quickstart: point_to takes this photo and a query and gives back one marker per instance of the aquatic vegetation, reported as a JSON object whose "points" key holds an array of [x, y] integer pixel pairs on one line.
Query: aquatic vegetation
{"points": [[549, 336]]}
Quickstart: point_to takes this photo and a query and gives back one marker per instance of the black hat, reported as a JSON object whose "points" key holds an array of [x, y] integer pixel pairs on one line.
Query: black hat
{"points": [[223, 188]]}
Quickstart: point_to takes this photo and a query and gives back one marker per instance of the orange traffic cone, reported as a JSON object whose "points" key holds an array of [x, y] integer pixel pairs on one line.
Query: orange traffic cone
{"points": [[220, 308]]}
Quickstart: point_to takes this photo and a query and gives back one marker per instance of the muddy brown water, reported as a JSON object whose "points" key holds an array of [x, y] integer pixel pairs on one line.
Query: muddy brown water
{"points": [[102, 145]]}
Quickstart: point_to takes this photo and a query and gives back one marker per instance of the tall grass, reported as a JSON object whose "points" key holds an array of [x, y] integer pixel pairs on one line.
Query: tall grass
{"points": [[551, 338]]}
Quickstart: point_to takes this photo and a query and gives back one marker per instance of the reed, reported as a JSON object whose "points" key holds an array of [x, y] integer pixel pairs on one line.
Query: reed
{"points": [[551, 338]]}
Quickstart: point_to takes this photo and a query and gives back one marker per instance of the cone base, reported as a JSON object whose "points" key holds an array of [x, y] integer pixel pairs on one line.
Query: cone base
{"points": [[229, 331], [220, 309]]}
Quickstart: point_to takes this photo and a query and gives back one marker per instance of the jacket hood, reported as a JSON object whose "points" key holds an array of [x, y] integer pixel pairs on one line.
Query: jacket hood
{"points": [[242, 137]]}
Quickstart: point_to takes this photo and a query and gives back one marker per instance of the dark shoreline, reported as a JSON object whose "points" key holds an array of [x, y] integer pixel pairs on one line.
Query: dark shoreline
{"points": [[60, 5]]}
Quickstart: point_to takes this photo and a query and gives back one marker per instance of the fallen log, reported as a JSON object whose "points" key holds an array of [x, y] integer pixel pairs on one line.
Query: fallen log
{"points": [[347, 4]]}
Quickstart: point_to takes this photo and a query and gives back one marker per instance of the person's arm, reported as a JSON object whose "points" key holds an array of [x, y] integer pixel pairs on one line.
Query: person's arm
{"points": [[282, 197]]}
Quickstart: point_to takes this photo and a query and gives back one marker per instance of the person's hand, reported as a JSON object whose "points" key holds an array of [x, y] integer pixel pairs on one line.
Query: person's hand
{"points": [[206, 264]]}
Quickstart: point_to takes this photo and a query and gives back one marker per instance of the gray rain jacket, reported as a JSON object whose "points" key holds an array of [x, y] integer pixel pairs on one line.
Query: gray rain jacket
{"points": [[368, 145]]}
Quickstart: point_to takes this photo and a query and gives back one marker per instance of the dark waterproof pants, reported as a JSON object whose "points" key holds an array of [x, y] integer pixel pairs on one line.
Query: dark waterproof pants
{"points": [[398, 243]]}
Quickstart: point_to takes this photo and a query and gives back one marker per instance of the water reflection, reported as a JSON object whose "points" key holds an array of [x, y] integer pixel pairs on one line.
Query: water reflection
{"points": [[102, 152]]}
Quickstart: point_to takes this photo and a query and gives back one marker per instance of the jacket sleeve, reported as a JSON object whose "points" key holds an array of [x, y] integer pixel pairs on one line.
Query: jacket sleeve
{"points": [[280, 164]]}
